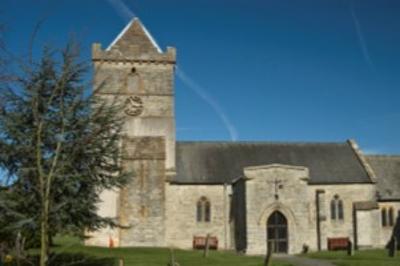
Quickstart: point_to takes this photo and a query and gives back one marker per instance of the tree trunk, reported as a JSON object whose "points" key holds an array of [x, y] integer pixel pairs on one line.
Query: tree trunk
{"points": [[44, 233], [18, 252], [207, 246], [267, 260]]}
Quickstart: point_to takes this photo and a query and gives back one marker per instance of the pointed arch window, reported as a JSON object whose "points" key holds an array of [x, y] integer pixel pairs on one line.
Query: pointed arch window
{"points": [[337, 209], [384, 216], [391, 216], [203, 210], [333, 210], [387, 216], [340, 210]]}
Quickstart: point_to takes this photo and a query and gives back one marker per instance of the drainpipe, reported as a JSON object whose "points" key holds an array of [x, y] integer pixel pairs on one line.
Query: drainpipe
{"points": [[225, 219], [317, 204], [355, 228]]}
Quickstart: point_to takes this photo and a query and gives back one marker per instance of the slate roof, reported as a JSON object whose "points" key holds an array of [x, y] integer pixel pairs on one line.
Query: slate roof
{"points": [[387, 171], [366, 205], [223, 162]]}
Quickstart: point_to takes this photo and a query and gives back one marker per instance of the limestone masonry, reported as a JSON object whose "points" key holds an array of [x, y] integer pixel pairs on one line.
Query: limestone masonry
{"points": [[250, 196]]}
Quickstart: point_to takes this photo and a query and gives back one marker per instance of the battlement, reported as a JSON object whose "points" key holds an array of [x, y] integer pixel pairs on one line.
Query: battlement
{"points": [[134, 55]]}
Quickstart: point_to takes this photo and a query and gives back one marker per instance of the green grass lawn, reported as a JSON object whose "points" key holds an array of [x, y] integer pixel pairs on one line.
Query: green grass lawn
{"points": [[360, 258], [158, 256]]}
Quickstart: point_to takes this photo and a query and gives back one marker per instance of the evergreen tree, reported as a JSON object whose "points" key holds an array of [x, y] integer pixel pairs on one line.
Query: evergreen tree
{"points": [[59, 145]]}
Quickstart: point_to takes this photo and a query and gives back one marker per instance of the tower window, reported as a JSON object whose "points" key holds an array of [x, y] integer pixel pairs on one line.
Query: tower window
{"points": [[203, 210], [133, 70], [337, 212]]}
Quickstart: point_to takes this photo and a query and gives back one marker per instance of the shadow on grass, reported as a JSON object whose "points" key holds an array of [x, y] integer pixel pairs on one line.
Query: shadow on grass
{"points": [[66, 259]]}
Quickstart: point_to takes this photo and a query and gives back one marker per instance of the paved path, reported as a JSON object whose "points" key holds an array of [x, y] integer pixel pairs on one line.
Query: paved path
{"points": [[301, 261]]}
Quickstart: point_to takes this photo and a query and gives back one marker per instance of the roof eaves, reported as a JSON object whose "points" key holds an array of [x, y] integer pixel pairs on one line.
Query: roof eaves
{"points": [[319, 183]]}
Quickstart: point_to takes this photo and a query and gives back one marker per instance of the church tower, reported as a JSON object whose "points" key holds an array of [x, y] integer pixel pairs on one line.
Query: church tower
{"points": [[140, 75]]}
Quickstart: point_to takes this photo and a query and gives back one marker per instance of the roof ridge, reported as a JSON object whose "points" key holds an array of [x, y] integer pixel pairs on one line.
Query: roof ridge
{"points": [[119, 36], [152, 40], [260, 142], [397, 156]]}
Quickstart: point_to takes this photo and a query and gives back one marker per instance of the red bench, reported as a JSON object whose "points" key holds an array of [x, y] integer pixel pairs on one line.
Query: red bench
{"points": [[338, 243], [199, 242]]}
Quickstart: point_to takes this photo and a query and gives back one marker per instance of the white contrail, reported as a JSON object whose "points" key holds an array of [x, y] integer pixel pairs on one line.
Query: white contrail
{"points": [[127, 14], [200, 91], [361, 39], [122, 9]]}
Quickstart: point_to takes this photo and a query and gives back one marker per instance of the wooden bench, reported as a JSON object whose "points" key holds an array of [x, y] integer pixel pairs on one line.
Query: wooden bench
{"points": [[338, 243], [199, 242]]}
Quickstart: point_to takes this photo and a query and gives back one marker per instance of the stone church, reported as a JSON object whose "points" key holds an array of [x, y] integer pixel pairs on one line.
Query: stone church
{"points": [[247, 196]]}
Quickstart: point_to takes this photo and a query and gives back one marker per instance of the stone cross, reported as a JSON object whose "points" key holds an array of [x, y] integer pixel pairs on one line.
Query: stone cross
{"points": [[277, 185]]}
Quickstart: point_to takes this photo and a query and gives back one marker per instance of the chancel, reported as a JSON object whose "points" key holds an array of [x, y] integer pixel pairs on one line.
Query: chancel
{"points": [[244, 195]]}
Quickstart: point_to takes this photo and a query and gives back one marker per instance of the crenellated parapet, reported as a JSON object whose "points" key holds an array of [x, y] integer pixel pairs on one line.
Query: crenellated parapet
{"points": [[133, 55]]}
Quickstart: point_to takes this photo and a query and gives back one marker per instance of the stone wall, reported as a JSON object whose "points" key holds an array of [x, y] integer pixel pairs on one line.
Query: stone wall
{"points": [[153, 85], [349, 194], [367, 229], [142, 200], [181, 223], [293, 202], [297, 202], [107, 208], [386, 232], [134, 73]]}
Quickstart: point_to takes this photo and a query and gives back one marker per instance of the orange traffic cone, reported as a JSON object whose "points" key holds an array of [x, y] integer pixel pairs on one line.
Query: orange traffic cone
{"points": [[111, 243]]}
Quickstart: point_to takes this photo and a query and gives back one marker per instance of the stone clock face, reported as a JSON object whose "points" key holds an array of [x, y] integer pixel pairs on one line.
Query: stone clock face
{"points": [[133, 106]]}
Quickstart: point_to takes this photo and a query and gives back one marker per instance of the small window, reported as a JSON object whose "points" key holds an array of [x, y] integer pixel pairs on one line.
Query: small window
{"points": [[203, 213], [387, 216], [391, 216], [333, 210], [384, 217], [337, 212], [207, 212], [199, 211], [340, 210]]}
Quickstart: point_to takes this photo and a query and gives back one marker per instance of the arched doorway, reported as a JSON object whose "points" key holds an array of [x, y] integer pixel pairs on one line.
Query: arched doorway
{"points": [[277, 232]]}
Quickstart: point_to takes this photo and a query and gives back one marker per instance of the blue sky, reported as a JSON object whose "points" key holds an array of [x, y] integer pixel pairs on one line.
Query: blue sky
{"points": [[259, 70]]}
